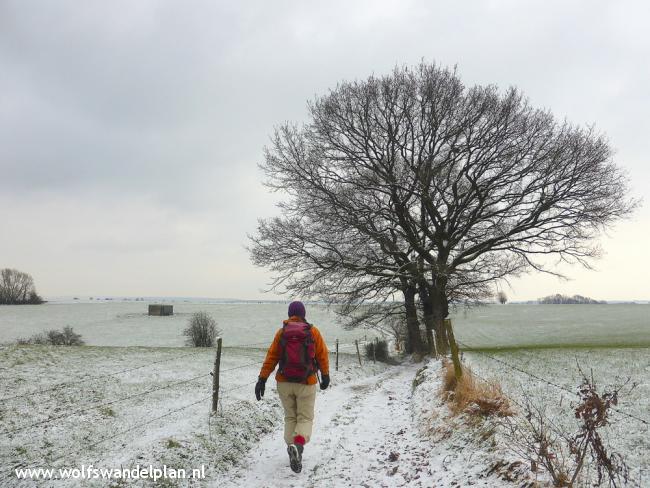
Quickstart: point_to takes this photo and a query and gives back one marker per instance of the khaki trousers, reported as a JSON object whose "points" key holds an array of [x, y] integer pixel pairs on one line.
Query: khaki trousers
{"points": [[298, 401]]}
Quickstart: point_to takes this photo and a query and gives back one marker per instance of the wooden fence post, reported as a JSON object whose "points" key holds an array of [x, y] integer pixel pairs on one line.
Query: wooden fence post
{"points": [[441, 338], [356, 343], [337, 354], [374, 350], [458, 370], [215, 377]]}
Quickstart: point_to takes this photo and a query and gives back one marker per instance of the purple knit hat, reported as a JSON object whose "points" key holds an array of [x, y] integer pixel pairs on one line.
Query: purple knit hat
{"points": [[297, 308]]}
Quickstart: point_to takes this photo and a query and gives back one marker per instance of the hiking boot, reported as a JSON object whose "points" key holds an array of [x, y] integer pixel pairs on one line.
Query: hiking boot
{"points": [[295, 457]]}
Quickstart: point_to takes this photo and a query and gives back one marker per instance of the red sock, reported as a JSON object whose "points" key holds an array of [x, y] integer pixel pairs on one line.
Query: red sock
{"points": [[299, 440]]}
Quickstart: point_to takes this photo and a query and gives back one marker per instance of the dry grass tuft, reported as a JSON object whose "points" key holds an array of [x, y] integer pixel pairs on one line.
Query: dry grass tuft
{"points": [[472, 395], [449, 376]]}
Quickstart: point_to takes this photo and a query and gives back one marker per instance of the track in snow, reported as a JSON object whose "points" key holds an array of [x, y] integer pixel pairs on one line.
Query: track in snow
{"points": [[357, 427]]}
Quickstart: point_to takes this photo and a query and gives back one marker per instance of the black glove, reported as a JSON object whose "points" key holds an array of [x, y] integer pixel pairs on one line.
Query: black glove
{"points": [[325, 382], [259, 388]]}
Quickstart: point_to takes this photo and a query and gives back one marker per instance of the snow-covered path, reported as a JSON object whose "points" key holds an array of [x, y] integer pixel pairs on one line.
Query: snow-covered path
{"points": [[360, 435]]}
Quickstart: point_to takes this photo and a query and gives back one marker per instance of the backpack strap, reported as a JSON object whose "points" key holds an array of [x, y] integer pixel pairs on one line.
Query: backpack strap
{"points": [[283, 349]]}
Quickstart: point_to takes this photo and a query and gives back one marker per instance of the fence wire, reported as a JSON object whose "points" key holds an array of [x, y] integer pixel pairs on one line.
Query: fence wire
{"points": [[133, 427], [552, 384], [80, 380], [548, 382], [101, 405], [224, 393]]}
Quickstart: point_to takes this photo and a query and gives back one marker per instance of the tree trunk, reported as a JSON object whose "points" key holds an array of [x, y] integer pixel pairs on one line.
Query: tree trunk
{"points": [[440, 310], [429, 319], [414, 343]]}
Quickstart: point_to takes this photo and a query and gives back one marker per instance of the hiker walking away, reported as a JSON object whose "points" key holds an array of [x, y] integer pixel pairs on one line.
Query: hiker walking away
{"points": [[300, 350]]}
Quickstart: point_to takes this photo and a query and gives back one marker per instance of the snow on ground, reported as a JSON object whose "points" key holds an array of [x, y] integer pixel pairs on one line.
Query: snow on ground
{"points": [[56, 403], [64, 407], [609, 367], [126, 323], [378, 432], [377, 426], [116, 407]]}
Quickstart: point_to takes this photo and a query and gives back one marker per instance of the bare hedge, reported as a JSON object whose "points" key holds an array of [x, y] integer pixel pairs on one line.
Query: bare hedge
{"points": [[65, 337]]}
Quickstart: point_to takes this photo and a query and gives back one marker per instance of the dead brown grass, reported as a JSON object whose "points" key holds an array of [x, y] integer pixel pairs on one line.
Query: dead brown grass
{"points": [[473, 395]]}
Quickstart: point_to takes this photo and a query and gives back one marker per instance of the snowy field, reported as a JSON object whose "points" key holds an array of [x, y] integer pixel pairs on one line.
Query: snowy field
{"points": [[515, 325], [126, 407], [148, 403], [123, 407], [125, 323]]}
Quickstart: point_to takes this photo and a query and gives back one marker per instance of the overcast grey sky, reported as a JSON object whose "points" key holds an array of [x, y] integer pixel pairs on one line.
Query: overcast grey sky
{"points": [[130, 132]]}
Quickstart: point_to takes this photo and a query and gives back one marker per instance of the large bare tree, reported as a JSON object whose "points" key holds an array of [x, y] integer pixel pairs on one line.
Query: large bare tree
{"points": [[474, 184]]}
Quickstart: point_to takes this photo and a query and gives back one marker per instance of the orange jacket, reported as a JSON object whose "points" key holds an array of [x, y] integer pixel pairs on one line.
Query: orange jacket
{"points": [[275, 351]]}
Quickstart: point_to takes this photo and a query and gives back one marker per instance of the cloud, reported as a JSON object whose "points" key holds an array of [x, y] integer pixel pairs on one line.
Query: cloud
{"points": [[161, 108]]}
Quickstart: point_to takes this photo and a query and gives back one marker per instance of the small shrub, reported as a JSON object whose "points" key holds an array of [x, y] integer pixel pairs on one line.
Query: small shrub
{"points": [[419, 378], [21, 450], [107, 411], [473, 395], [201, 331], [66, 337], [35, 339], [35, 299], [378, 350], [172, 444]]}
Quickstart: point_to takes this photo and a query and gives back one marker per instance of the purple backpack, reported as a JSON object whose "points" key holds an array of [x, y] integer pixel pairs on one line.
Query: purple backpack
{"points": [[298, 358]]}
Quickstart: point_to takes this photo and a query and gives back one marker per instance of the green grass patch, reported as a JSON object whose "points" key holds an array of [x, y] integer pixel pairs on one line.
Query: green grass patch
{"points": [[107, 411], [419, 378], [172, 444], [21, 450]]}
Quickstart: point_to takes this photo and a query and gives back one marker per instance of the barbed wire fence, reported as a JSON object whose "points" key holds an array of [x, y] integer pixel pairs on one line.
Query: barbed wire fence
{"points": [[639, 482], [545, 381], [73, 385], [81, 379], [227, 383]]}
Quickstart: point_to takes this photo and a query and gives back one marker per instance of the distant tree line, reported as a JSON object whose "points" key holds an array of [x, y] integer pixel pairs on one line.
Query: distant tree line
{"points": [[17, 288], [558, 299]]}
